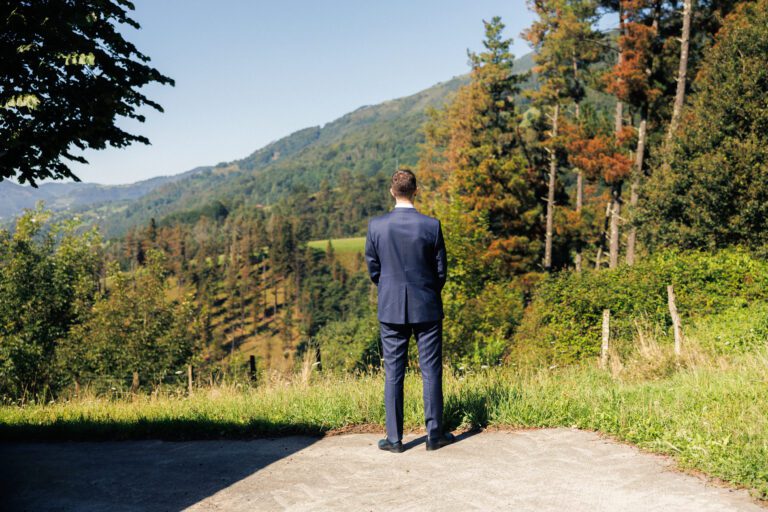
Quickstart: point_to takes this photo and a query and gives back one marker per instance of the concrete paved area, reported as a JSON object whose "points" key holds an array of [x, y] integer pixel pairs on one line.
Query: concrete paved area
{"points": [[536, 470]]}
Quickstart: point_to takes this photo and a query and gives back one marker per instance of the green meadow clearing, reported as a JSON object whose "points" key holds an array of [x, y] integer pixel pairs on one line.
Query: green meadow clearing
{"points": [[341, 245], [348, 251]]}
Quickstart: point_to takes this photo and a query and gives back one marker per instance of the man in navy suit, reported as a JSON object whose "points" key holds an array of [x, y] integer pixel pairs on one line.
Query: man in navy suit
{"points": [[406, 258]]}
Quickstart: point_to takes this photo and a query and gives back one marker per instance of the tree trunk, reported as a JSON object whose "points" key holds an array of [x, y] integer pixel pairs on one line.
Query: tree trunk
{"points": [[615, 204], [619, 105], [579, 190], [618, 116], [579, 174], [634, 190], [682, 70], [613, 249], [264, 285], [604, 238], [642, 132], [632, 236], [551, 192], [579, 204]]}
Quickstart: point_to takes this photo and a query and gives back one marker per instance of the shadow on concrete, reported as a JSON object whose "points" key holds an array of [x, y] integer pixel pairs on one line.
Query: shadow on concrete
{"points": [[166, 429], [423, 439], [145, 475]]}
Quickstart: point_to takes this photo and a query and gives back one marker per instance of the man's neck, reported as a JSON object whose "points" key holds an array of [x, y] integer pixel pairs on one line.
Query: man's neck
{"points": [[403, 203]]}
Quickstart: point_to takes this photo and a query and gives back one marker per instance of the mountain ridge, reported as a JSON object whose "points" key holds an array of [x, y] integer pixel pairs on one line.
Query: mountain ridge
{"points": [[61, 196], [364, 141]]}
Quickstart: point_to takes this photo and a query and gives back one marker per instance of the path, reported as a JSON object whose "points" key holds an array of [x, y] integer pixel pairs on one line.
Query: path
{"points": [[536, 470]]}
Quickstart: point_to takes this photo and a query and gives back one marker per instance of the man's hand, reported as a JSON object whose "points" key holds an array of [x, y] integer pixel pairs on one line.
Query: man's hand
{"points": [[441, 257], [372, 257]]}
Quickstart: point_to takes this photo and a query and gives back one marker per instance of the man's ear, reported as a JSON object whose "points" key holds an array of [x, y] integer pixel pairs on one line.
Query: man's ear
{"points": [[391, 192]]}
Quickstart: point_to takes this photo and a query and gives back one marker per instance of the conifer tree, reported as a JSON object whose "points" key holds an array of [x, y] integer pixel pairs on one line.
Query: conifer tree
{"points": [[475, 156]]}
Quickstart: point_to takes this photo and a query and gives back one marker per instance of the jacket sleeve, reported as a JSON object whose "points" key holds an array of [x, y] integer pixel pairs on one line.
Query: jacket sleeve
{"points": [[441, 257], [372, 257]]}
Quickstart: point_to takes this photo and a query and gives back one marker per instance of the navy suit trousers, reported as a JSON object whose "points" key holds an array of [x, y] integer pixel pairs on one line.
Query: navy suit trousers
{"points": [[429, 340]]}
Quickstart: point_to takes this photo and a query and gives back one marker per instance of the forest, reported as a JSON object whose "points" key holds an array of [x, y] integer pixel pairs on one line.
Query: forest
{"points": [[614, 164]]}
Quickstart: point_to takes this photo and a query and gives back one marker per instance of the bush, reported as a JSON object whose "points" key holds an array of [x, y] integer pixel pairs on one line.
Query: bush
{"points": [[478, 328], [563, 322], [132, 329], [350, 345]]}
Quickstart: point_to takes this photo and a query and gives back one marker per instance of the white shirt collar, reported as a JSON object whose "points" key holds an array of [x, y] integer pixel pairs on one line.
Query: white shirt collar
{"points": [[404, 205]]}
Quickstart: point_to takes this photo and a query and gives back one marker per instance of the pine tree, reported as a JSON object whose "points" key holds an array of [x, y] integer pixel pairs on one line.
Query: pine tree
{"points": [[475, 157]]}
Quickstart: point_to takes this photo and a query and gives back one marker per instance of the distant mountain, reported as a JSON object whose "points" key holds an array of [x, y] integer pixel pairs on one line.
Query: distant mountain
{"points": [[364, 142], [74, 196]]}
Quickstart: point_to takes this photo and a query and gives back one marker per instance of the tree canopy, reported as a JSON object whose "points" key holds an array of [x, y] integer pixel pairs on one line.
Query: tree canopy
{"points": [[67, 75], [712, 193]]}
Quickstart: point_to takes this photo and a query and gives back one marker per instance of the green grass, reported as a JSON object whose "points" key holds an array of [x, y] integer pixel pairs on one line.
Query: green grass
{"points": [[742, 327], [348, 251], [709, 414], [341, 245]]}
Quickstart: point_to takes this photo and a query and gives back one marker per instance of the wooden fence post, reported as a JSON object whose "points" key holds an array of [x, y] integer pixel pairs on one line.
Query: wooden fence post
{"points": [[606, 338], [189, 379], [675, 320], [253, 368], [135, 382]]}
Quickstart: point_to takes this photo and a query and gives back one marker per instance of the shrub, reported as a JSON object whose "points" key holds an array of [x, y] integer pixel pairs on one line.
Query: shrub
{"points": [[742, 327], [350, 344], [478, 328], [563, 322]]}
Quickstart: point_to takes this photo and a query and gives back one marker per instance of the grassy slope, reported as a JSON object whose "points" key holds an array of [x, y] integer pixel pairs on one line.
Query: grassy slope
{"points": [[341, 245], [347, 250]]}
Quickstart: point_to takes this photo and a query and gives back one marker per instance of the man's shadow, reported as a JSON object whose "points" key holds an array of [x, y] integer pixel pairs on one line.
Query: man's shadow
{"points": [[423, 439]]}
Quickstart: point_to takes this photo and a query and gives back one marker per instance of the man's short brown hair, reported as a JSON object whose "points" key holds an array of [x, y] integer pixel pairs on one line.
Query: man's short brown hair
{"points": [[404, 183]]}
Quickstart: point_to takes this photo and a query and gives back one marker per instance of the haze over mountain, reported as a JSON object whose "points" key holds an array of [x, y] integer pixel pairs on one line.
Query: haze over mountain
{"points": [[62, 196]]}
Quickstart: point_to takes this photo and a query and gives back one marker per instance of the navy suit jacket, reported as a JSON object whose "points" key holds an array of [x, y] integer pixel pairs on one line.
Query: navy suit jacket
{"points": [[406, 258]]}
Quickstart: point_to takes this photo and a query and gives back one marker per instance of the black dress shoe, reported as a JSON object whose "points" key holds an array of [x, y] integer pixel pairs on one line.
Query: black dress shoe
{"points": [[434, 444], [385, 444]]}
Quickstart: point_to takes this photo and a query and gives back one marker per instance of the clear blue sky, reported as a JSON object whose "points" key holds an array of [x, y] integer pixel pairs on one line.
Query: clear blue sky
{"points": [[250, 72]]}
